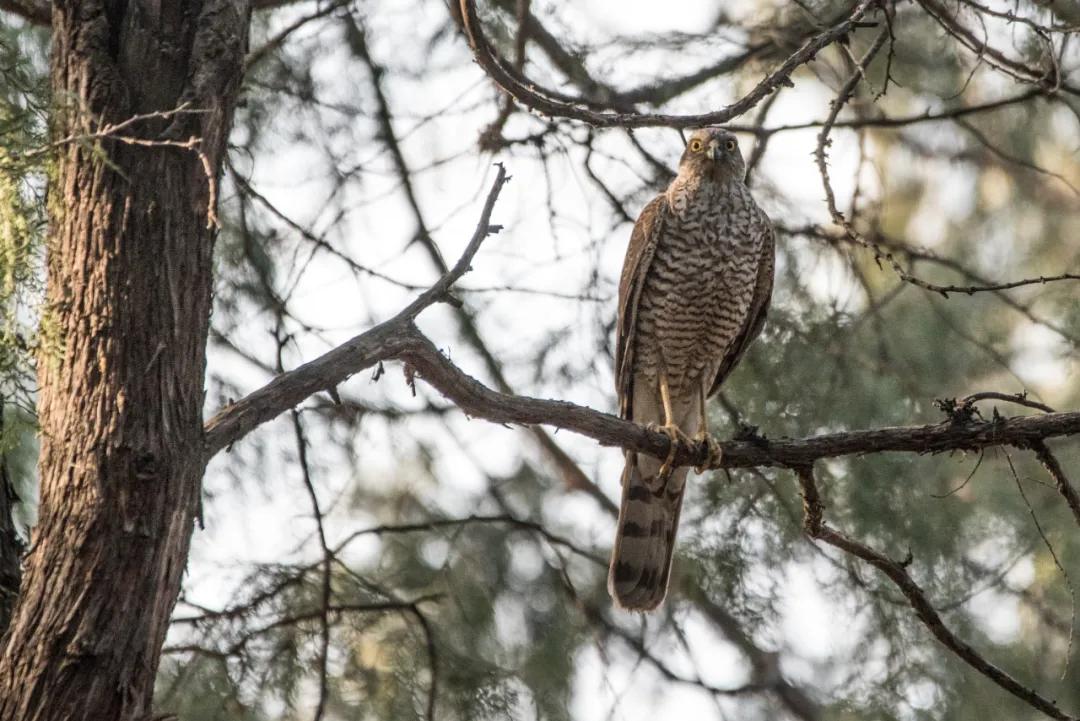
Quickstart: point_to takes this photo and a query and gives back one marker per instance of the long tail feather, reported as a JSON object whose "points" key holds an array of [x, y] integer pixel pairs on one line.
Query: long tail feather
{"points": [[645, 538]]}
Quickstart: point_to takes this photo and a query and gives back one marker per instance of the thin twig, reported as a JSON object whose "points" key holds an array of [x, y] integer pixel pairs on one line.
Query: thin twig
{"points": [[1019, 399]]}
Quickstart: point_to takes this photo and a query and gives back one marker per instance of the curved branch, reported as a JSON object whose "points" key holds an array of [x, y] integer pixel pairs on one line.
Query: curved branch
{"points": [[552, 103], [1017, 398]]}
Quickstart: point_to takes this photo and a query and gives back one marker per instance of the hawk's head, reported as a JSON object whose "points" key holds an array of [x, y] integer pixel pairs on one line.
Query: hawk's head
{"points": [[713, 153]]}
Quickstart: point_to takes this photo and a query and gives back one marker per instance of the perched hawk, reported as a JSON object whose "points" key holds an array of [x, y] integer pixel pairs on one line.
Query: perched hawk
{"points": [[695, 286]]}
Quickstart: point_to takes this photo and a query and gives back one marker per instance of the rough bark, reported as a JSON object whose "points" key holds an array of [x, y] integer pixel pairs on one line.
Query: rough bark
{"points": [[128, 304]]}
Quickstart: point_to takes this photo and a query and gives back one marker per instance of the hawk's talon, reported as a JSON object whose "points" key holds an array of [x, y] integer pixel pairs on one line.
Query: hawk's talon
{"points": [[715, 451], [675, 436]]}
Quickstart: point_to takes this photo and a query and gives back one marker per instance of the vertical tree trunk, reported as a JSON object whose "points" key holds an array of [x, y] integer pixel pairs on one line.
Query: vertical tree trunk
{"points": [[121, 377]]}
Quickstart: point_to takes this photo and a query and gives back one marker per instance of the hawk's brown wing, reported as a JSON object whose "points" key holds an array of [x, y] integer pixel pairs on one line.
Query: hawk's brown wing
{"points": [[759, 306], [639, 255]]}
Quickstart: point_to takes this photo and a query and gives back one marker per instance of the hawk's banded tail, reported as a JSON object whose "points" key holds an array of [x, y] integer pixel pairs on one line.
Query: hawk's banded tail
{"points": [[645, 538]]}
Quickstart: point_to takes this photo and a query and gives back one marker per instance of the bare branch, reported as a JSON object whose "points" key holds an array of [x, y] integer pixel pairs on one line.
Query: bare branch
{"points": [[1049, 78], [890, 247], [1012, 17], [365, 350], [835, 106], [552, 103], [1020, 399], [501, 519], [399, 339], [1053, 467], [926, 116], [897, 572]]}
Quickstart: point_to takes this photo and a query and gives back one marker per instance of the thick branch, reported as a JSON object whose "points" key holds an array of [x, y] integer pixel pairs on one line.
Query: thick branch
{"points": [[399, 339]]}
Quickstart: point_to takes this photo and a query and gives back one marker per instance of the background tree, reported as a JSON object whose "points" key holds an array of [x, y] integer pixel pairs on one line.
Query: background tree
{"points": [[373, 553]]}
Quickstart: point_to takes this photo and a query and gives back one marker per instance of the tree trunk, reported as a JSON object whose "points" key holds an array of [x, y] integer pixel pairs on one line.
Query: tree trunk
{"points": [[123, 359]]}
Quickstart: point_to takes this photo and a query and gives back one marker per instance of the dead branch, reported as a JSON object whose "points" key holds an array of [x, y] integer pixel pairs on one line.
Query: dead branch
{"points": [[363, 351]]}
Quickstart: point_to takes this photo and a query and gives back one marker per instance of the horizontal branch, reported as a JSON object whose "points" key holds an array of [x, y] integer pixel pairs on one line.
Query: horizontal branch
{"points": [[477, 400], [401, 340]]}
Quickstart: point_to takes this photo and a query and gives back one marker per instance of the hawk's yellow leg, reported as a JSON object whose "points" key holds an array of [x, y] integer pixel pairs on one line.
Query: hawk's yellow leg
{"points": [[715, 451], [672, 431]]}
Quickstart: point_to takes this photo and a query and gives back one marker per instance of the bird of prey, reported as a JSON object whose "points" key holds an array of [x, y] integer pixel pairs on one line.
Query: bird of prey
{"points": [[694, 291]]}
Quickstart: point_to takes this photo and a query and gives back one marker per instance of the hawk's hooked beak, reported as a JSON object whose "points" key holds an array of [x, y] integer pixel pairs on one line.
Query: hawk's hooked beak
{"points": [[712, 151]]}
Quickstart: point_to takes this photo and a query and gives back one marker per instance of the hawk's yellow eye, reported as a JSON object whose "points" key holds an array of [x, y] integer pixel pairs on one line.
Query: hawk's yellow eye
{"points": [[730, 145], [695, 146]]}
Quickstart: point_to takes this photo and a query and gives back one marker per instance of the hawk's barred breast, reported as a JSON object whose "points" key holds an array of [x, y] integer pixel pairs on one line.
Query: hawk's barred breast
{"points": [[701, 283]]}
